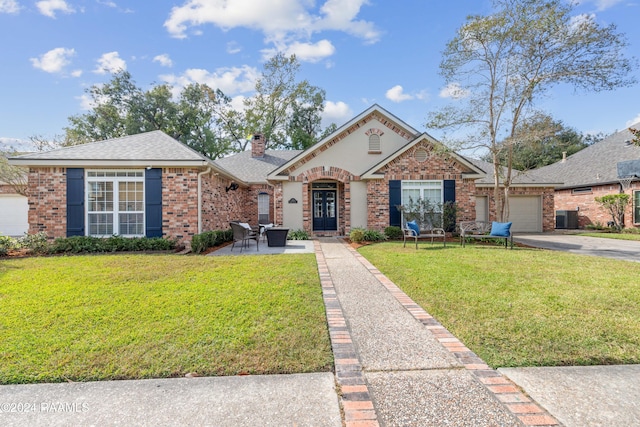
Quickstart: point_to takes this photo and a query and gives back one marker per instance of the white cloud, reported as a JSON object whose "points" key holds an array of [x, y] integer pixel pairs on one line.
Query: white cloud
{"points": [[54, 61], [15, 145], [396, 94], [282, 21], [231, 81], [163, 60], [50, 7], [233, 48], [306, 52], [606, 4], [336, 112], [9, 6], [76, 73], [453, 90], [634, 121], [110, 63]]}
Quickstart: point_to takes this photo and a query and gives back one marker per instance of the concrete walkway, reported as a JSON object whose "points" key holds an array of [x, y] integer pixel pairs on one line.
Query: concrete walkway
{"points": [[395, 366]]}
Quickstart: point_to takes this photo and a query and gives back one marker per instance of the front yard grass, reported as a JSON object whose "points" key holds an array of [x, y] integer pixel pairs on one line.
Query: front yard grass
{"points": [[619, 236], [523, 307], [104, 317]]}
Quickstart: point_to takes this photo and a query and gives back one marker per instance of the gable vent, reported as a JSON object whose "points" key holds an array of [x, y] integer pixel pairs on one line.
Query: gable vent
{"points": [[374, 143], [420, 155]]}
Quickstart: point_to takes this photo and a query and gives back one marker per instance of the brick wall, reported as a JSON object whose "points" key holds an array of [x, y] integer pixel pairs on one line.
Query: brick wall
{"points": [[219, 206], [47, 189], [437, 166], [48, 200], [589, 212], [180, 203]]}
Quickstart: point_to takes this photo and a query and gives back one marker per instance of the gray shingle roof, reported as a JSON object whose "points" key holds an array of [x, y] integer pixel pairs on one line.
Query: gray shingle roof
{"points": [[255, 169], [596, 164], [528, 178], [149, 146]]}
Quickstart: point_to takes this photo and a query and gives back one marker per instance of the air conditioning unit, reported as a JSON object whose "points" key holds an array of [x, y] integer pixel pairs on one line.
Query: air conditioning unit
{"points": [[567, 220]]}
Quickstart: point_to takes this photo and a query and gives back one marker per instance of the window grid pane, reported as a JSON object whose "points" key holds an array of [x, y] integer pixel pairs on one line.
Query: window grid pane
{"points": [[115, 203]]}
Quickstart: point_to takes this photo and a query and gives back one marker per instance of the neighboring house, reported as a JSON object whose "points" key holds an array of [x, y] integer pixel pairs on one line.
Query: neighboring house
{"points": [[594, 172], [151, 184], [13, 211], [13, 208]]}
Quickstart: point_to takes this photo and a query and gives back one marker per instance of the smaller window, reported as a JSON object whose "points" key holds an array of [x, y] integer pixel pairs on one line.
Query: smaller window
{"points": [[263, 208], [584, 190], [374, 143]]}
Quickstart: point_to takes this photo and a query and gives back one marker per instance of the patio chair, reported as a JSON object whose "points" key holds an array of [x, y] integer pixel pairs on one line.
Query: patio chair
{"points": [[243, 233]]}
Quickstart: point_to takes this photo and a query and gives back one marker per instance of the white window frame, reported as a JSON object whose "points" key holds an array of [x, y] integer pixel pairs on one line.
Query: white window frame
{"points": [[263, 199], [115, 176], [421, 186]]}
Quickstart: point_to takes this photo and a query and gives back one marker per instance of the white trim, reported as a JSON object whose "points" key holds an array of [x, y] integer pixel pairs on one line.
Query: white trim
{"points": [[116, 190]]}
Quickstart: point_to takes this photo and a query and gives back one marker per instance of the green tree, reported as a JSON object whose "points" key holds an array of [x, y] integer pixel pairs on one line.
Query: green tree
{"points": [[500, 64], [198, 118], [636, 136], [544, 141], [615, 204], [285, 111]]}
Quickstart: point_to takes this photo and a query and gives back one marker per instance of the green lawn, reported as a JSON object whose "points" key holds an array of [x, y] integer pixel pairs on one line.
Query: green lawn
{"points": [[141, 316], [523, 307], [619, 236]]}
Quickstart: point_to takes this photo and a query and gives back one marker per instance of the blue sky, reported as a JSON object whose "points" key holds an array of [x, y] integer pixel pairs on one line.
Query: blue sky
{"points": [[360, 51]]}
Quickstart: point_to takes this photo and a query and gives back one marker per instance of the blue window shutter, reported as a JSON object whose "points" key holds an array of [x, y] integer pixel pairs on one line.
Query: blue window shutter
{"points": [[75, 202], [395, 199], [153, 202], [449, 190], [450, 196]]}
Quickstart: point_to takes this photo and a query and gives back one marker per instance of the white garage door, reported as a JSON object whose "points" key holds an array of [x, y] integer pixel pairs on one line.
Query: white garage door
{"points": [[526, 213], [13, 215]]}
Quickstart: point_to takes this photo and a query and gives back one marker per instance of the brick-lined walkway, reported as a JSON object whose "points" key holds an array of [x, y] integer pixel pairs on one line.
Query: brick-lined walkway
{"points": [[355, 399], [363, 407]]}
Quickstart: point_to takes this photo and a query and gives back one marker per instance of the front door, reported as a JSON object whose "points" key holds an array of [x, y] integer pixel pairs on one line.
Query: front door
{"points": [[324, 210]]}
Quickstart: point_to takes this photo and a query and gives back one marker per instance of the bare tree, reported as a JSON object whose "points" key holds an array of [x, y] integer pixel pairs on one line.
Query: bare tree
{"points": [[498, 66]]}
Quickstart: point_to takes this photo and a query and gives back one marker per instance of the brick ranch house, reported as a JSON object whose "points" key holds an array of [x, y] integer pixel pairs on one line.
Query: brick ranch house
{"points": [[152, 185], [594, 172]]}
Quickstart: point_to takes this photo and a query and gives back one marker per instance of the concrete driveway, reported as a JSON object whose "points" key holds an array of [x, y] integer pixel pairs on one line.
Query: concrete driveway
{"points": [[596, 246]]}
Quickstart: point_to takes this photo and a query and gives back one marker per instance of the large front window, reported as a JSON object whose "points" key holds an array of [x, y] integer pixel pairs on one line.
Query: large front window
{"points": [[413, 192], [115, 203], [636, 207]]}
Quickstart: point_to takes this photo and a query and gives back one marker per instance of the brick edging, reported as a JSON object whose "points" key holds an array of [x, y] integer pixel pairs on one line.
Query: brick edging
{"points": [[355, 400], [505, 391]]}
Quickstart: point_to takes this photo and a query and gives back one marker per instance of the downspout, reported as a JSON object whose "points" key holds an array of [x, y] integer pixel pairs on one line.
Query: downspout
{"points": [[200, 174]]}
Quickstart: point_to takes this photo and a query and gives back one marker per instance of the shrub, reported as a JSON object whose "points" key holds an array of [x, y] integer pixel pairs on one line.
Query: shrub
{"points": [[615, 205], [393, 232], [88, 244], [373, 236], [449, 216], [298, 235], [357, 235], [35, 243], [209, 239], [7, 243]]}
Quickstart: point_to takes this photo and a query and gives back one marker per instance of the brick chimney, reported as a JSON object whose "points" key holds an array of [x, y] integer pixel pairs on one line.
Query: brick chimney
{"points": [[257, 145]]}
